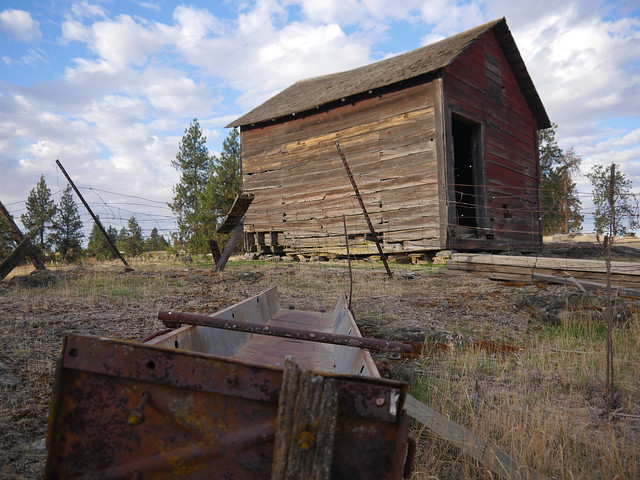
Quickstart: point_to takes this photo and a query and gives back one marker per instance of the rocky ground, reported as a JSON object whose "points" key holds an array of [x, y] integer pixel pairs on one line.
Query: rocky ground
{"points": [[418, 304]]}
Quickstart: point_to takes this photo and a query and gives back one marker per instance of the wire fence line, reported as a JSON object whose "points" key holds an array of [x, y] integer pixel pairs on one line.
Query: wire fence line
{"points": [[150, 213]]}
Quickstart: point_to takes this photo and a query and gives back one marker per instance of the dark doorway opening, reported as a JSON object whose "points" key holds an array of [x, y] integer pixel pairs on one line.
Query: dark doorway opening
{"points": [[468, 177]]}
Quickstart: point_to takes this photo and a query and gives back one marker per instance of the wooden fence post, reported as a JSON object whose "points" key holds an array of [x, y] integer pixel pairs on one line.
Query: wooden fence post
{"points": [[21, 250], [306, 428]]}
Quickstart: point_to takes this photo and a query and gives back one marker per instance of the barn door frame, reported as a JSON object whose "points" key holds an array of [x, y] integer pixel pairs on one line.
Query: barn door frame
{"points": [[467, 215]]}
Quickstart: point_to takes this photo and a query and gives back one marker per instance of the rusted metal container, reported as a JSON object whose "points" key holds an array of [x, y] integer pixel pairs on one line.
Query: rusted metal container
{"points": [[199, 402]]}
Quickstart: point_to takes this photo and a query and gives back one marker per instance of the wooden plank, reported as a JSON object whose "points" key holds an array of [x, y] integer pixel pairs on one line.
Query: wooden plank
{"points": [[356, 133], [585, 283], [31, 251], [230, 247], [15, 257], [527, 274], [237, 211], [306, 425], [484, 451], [627, 268], [368, 110]]}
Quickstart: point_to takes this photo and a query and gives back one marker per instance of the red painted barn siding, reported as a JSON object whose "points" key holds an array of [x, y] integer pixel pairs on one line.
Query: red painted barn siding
{"points": [[510, 142]]}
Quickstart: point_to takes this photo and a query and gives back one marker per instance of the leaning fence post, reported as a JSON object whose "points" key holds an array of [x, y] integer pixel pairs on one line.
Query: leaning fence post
{"points": [[364, 210], [95, 219], [25, 247]]}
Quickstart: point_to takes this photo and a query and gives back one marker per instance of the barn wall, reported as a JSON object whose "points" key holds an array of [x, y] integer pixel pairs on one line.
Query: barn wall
{"points": [[302, 191], [510, 151]]}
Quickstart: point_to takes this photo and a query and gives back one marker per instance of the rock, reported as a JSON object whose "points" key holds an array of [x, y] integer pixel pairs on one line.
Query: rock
{"points": [[442, 256], [452, 339], [318, 258], [250, 276], [408, 333], [39, 446], [8, 379], [37, 278]]}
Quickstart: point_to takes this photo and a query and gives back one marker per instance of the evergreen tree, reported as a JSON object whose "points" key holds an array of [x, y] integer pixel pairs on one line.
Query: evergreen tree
{"points": [[155, 242], [130, 239], [625, 206], [225, 183], [41, 210], [67, 228], [98, 247], [194, 164], [559, 197], [6, 241], [123, 239]]}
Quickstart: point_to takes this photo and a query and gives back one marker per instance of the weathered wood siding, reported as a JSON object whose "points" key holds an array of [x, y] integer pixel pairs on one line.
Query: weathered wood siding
{"points": [[301, 188], [511, 172]]}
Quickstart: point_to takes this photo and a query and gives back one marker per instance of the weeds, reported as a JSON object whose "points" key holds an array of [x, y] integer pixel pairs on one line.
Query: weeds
{"points": [[546, 406]]}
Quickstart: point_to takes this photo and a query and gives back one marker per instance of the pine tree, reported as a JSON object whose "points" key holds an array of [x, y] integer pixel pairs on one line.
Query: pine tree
{"points": [[123, 240], [67, 228], [194, 164], [626, 216], [98, 247], [6, 241], [41, 210], [225, 183], [559, 197], [130, 239], [155, 242]]}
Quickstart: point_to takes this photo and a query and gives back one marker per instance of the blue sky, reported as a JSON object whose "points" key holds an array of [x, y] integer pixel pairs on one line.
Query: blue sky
{"points": [[108, 87]]}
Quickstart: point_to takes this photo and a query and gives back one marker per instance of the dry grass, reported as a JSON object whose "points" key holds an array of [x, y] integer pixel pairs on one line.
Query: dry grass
{"points": [[544, 405]]}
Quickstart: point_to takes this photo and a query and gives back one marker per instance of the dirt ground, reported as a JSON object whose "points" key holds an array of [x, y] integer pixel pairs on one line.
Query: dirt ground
{"points": [[36, 311]]}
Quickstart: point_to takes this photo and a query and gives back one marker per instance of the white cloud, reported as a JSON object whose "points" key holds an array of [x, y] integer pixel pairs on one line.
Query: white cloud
{"points": [[365, 13], [124, 42], [20, 25], [75, 30], [86, 10], [448, 18], [174, 93]]}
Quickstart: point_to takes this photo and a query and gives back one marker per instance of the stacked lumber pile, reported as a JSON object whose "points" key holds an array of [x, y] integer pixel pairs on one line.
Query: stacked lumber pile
{"points": [[585, 274]]}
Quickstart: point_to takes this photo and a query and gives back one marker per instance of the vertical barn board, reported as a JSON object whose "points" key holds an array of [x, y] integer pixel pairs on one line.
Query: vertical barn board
{"points": [[442, 167], [301, 189], [510, 143]]}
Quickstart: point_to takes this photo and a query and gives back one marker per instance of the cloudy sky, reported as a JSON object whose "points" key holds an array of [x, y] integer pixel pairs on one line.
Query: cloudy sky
{"points": [[108, 87]]}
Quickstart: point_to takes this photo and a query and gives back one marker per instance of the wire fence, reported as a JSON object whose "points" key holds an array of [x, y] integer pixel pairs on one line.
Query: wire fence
{"points": [[116, 208], [115, 211]]}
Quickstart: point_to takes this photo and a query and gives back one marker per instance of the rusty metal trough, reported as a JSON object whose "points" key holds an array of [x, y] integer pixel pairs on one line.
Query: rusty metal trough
{"points": [[201, 402]]}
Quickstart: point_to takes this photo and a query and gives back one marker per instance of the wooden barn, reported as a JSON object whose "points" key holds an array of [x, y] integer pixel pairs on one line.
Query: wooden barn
{"points": [[441, 141]]}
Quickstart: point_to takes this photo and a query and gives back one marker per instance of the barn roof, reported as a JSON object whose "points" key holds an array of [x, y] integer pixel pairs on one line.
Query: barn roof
{"points": [[317, 91]]}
